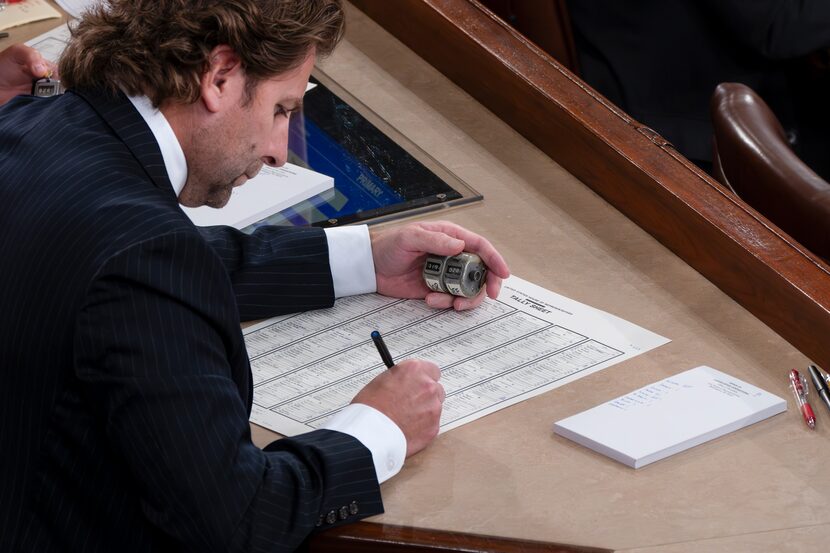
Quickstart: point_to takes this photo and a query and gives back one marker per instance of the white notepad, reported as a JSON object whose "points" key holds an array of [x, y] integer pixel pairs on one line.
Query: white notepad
{"points": [[271, 191], [670, 416]]}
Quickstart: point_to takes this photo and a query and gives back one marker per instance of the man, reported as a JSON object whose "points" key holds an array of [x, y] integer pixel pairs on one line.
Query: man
{"points": [[125, 387]]}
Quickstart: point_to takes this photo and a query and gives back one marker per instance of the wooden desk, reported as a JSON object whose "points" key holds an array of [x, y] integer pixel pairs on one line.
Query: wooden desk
{"points": [[31, 30], [507, 476]]}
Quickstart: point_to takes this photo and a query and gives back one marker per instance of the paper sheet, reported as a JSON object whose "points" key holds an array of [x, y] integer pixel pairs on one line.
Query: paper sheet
{"points": [[26, 12], [51, 43], [308, 366]]}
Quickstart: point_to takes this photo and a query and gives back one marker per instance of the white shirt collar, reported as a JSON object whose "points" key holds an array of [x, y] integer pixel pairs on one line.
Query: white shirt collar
{"points": [[171, 150]]}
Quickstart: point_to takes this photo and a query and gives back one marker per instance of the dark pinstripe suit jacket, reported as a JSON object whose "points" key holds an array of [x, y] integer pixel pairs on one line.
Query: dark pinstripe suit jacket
{"points": [[125, 387]]}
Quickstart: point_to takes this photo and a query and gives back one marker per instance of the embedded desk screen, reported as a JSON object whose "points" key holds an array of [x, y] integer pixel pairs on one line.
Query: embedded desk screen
{"points": [[378, 173]]}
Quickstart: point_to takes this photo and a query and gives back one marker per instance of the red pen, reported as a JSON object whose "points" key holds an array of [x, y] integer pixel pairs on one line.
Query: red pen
{"points": [[798, 384]]}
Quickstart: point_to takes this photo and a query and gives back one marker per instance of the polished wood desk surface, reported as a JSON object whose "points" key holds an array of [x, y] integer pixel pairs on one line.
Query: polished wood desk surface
{"points": [[508, 475]]}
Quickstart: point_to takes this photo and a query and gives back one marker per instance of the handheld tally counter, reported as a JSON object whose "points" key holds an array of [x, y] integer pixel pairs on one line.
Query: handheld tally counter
{"points": [[459, 275], [46, 87]]}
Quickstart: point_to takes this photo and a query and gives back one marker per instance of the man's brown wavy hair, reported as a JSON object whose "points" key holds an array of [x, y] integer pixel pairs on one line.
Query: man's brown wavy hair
{"points": [[160, 48]]}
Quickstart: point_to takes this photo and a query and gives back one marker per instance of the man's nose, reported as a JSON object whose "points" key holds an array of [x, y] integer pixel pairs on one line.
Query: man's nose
{"points": [[278, 149]]}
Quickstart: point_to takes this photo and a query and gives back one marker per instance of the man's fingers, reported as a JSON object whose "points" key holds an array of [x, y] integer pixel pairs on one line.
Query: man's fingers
{"points": [[40, 70], [430, 369], [408, 393], [30, 59], [463, 304], [439, 300], [425, 240], [493, 286], [472, 243]]}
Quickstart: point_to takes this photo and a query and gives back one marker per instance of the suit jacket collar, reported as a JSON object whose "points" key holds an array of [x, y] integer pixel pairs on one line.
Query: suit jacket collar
{"points": [[122, 117]]}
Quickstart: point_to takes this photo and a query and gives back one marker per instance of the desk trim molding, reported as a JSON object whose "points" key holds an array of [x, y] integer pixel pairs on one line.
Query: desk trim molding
{"points": [[368, 537]]}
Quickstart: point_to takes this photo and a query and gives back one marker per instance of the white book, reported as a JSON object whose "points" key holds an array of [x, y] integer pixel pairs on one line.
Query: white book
{"points": [[670, 416], [271, 191]]}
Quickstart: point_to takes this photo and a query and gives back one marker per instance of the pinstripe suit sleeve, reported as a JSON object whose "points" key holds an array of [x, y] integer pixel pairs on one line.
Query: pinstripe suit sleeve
{"points": [[158, 356], [276, 270]]}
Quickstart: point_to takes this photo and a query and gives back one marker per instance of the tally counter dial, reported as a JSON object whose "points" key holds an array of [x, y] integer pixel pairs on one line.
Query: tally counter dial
{"points": [[460, 275]]}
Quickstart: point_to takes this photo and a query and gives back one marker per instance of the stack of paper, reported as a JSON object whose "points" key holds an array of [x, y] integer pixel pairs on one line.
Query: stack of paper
{"points": [[670, 416], [273, 190]]}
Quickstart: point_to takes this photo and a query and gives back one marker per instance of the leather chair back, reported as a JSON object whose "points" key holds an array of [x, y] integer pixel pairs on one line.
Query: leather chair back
{"points": [[754, 159]]}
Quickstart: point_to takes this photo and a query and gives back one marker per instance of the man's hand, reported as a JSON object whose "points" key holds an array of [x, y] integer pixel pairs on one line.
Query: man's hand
{"points": [[410, 395], [399, 255], [19, 66]]}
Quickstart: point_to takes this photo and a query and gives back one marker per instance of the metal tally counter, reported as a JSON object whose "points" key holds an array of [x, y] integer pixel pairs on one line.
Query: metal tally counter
{"points": [[460, 275], [46, 87]]}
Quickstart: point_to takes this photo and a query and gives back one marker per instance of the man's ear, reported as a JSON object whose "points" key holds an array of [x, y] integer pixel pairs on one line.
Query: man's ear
{"points": [[223, 80]]}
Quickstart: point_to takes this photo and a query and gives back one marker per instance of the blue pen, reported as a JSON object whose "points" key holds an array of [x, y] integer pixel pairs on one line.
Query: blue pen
{"points": [[384, 353]]}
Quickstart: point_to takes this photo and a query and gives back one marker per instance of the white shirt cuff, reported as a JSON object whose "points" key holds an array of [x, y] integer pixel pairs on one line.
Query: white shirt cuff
{"points": [[377, 432], [351, 261]]}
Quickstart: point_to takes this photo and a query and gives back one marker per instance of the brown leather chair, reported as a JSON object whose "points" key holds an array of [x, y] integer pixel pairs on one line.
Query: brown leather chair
{"points": [[754, 159]]}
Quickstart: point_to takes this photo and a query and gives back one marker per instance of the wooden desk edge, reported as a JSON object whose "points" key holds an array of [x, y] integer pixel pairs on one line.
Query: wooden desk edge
{"points": [[368, 537]]}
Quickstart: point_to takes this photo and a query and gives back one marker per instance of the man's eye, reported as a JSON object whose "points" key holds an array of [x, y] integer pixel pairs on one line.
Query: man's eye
{"points": [[281, 111]]}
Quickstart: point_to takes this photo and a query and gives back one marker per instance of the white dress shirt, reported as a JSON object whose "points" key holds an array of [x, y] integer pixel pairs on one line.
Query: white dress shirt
{"points": [[353, 272]]}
